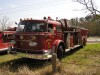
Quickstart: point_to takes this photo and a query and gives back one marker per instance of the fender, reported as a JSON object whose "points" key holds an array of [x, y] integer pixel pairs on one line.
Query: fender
{"points": [[56, 44]]}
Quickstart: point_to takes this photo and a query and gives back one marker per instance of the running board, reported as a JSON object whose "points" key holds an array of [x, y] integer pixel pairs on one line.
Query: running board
{"points": [[76, 46]]}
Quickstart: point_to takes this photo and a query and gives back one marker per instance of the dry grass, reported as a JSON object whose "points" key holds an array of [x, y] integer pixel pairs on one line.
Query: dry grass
{"points": [[25, 70], [85, 61], [69, 69], [79, 70]]}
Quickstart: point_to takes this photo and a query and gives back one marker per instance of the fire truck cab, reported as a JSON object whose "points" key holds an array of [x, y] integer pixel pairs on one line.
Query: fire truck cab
{"points": [[38, 39]]}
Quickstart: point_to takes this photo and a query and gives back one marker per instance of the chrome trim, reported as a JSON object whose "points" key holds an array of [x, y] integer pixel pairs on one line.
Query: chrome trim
{"points": [[24, 40], [3, 49], [34, 56], [31, 49]]}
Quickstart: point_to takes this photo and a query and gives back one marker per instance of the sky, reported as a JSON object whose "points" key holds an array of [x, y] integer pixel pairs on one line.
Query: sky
{"points": [[37, 9]]}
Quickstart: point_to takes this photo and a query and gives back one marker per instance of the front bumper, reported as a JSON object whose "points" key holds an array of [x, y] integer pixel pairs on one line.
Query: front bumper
{"points": [[3, 49], [34, 56]]}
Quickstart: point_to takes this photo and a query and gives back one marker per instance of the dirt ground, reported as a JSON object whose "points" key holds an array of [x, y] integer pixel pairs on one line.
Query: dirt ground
{"points": [[94, 39]]}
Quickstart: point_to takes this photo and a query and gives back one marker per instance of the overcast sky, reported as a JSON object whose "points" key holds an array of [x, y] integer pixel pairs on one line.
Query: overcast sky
{"points": [[16, 9]]}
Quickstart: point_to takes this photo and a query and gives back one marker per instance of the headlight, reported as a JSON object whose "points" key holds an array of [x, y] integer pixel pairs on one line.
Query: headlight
{"points": [[13, 41], [46, 51], [32, 43]]}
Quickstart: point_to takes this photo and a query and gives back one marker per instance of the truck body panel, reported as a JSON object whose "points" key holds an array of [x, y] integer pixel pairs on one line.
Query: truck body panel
{"points": [[5, 38]]}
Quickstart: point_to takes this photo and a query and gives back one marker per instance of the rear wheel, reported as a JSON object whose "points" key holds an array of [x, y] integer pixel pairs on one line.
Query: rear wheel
{"points": [[60, 51]]}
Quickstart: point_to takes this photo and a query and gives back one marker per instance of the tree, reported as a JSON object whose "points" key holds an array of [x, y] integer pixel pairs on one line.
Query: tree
{"points": [[74, 21], [92, 21], [89, 5], [92, 24], [4, 22]]}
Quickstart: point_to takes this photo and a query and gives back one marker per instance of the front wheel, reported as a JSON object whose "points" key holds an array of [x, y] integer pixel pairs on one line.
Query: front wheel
{"points": [[60, 51]]}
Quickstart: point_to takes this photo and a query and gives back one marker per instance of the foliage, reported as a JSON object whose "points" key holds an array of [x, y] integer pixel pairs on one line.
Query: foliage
{"points": [[4, 23], [91, 22]]}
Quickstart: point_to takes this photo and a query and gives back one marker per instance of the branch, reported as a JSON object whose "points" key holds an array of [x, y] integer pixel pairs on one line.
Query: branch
{"points": [[89, 6]]}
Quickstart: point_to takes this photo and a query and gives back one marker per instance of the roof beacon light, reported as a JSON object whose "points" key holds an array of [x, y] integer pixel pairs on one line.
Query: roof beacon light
{"points": [[49, 18], [30, 18], [56, 18], [20, 19], [44, 18]]}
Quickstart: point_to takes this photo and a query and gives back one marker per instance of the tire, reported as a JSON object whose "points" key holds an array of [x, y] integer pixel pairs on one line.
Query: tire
{"points": [[60, 51]]}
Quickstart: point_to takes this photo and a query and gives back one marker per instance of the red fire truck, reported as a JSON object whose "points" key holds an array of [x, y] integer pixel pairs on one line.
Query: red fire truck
{"points": [[5, 38], [40, 38]]}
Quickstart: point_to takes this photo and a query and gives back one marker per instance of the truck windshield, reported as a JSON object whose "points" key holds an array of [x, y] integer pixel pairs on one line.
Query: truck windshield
{"points": [[31, 27]]}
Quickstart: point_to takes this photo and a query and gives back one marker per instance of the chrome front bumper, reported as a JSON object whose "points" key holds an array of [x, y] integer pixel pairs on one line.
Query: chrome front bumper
{"points": [[34, 56], [3, 49]]}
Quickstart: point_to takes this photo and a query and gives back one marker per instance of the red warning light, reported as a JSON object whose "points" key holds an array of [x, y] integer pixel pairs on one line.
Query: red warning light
{"points": [[49, 17]]}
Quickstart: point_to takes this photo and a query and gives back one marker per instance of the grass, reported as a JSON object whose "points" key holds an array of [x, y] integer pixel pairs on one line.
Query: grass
{"points": [[84, 61], [6, 58]]}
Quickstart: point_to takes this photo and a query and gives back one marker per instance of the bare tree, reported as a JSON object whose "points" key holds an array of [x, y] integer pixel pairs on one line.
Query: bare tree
{"points": [[4, 22], [89, 5]]}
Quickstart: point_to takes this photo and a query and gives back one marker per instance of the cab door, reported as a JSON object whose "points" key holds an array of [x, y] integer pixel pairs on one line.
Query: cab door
{"points": [[59, 33]]}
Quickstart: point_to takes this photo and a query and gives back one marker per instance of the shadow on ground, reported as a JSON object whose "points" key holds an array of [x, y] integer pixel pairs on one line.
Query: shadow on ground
{"points": [[31, 63], [3, 52]]}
